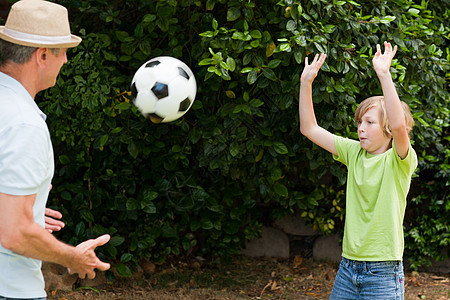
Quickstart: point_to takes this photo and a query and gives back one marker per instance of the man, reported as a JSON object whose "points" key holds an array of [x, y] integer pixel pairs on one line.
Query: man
{"points": [[33, 48]]}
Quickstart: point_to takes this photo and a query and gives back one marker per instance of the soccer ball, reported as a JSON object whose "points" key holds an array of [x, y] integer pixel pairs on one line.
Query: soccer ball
{"points": [[163, 89]]}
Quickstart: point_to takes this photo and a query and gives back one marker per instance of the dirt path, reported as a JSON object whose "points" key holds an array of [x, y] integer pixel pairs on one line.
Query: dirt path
{"points": [[245, 278]]}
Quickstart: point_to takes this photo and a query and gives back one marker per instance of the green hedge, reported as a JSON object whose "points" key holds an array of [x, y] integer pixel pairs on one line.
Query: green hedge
{"points": [[204, 184]]}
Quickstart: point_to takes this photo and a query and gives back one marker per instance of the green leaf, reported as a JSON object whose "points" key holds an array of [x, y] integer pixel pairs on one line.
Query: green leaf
{"points": [[251, 77], [338, 87], [256, 103], [268, 73], [280, 148], [237, 109], [285, 47], [90, 288], [246, 70], [206, 224], [256, 34], [329, 28], [126, 257], [169, 232], [194, 226], [80, 228], [112, 251], [149, 195], [123, 106], [149, 18], [208, 34], [132, 204], [274, 63], [148, 207], [133, 150], [281, 189], [102, 141], [123, 270], [231, 64], [207, 61], [387, 19], [234, 150], [66, 195], [64, 159], [414, 12], [88, 216], [320, 48], [122, 36], [116, 241], [233, 14], [291, 25], [231, 228]]}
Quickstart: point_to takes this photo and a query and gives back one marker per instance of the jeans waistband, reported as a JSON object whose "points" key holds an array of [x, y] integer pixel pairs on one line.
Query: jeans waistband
{"points": [[350, 262]]}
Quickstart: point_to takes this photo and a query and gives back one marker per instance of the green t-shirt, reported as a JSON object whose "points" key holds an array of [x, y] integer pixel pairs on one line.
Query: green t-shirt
{"points": [[377, 186]]}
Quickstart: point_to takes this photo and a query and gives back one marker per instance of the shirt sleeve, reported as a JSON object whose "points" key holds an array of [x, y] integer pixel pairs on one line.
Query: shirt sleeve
{"points": [[23, 159], [344, 148], [409, 163]]}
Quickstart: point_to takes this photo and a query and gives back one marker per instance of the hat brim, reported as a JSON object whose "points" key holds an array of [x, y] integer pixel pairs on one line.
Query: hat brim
{"points": [[74, 41]]}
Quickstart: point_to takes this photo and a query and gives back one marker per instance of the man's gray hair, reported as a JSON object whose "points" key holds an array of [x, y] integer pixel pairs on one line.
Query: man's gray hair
{"points": [[17, 53]]}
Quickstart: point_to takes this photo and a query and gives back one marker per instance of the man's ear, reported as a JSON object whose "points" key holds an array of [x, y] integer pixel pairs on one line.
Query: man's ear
{"points": [[41, 57]]}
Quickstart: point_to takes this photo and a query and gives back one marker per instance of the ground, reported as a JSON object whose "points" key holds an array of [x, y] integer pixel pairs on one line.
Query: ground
{"points": [[244, 278]]}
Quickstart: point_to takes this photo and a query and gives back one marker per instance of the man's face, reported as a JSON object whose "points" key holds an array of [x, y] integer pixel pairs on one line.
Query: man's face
{"points": [[54, 64]]}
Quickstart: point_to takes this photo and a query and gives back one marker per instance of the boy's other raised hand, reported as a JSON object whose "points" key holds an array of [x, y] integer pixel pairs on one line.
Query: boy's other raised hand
{"points": [[310, 71], [382, 61]]}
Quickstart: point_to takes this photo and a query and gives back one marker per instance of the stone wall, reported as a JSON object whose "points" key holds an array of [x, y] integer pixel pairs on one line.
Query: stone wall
{"points": [[291, 237]]}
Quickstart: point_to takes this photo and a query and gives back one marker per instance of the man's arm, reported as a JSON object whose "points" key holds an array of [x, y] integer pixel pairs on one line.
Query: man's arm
{"points": [[395, 115], [20, 234], [308, 122]]}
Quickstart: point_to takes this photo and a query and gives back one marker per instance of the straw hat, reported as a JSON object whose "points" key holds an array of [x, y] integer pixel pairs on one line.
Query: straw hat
{"points": [[38, 23]]}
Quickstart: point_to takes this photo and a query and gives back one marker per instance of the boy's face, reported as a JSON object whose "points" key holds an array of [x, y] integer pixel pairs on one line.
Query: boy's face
{"points": [[370, 132]]}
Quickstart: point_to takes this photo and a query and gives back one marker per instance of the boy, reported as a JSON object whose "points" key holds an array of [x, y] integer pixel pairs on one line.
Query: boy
{"points": [[380, 166]]}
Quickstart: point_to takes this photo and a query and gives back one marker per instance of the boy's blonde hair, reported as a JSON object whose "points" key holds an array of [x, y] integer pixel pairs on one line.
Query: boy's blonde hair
{"points": [[374, 101]]}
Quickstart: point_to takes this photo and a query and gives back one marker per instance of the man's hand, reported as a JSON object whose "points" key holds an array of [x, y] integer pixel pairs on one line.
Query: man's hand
{"points": [[51, 224], [310, 71], [382, 61], [87, 261]]}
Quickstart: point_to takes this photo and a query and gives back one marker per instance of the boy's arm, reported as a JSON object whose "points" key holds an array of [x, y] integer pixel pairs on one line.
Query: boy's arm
{"points": [[394, 110], [308, 122]]}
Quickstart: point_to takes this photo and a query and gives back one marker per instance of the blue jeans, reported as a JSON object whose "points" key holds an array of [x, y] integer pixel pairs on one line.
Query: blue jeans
{"points": [[369, 280]]}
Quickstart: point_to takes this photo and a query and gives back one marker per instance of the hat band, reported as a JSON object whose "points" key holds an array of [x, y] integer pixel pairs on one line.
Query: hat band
{"points": [[34, 38]]}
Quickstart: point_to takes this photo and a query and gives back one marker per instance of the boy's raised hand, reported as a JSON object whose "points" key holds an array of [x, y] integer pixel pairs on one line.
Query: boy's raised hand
{"points": [[310, 71], [382, 61]]}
